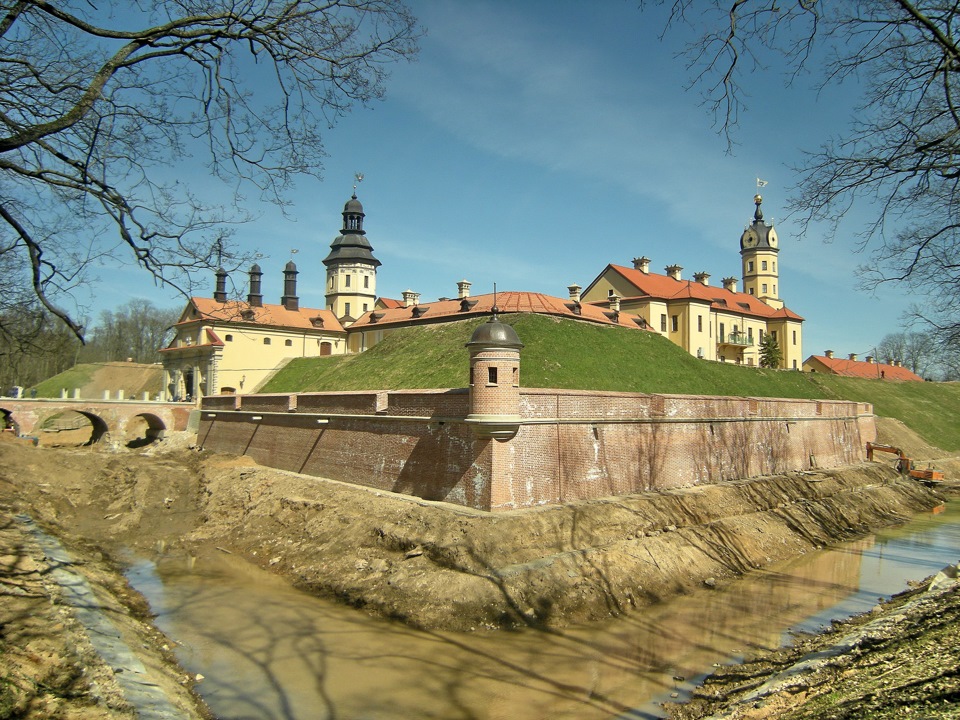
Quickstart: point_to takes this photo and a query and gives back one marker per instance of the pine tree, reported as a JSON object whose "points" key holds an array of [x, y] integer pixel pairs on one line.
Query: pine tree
{"points": [[770, 355]]}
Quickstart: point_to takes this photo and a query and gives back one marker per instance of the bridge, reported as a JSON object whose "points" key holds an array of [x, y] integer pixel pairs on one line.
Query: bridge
{"points": [[128, 422]]}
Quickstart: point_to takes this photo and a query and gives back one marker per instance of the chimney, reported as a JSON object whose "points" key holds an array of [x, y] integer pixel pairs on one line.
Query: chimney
{"points": [[290, 300], [220, 294], [463, 289], [899, 363], [254, 298], [674, 271], [828, 353], [853, 356], [411, 298], [730, 284], [702, 277], [614, 301], [642, 264], [574, 291], [870, 359]]}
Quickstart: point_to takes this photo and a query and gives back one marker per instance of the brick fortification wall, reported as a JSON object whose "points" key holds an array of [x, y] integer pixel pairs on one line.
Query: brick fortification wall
{"points": [[570, 445]]}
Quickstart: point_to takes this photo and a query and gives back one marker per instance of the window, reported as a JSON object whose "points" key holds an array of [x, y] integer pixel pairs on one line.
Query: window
{"points": [[663, 323], [346, 308], [674, 322], [774, 289], [699, 323], [346, 281], [366, 282], [266, 341], [794, 337], [491, 376], [763, 289], [763, 265], [751, 291], [760, 335], [288, 343], [365, 307], [774, 333], [228, 338], [774, 265], [750, 266], [750, 335], [722, 331]]}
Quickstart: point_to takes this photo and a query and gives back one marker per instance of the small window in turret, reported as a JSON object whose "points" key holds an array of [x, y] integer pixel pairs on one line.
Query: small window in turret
{"points": [[763, 264], [750, 266], [491, 376], [516, 377]]}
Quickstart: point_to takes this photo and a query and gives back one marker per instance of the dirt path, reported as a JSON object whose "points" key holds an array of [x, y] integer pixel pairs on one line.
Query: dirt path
{"points": [[430, 564]]}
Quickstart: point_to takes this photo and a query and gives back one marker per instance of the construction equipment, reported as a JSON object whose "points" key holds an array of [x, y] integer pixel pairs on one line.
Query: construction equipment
{"points": [[905, 465]]}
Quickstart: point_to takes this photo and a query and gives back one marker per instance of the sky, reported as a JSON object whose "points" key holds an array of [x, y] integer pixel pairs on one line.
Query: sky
{"points": [[532, 143]]}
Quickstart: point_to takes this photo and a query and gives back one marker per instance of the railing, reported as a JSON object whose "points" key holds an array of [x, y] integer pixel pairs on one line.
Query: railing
{"points": [[738, 339]]}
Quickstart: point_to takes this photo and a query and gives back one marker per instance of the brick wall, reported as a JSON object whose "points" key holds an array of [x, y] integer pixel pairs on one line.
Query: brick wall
{"points": [[571, 445]]}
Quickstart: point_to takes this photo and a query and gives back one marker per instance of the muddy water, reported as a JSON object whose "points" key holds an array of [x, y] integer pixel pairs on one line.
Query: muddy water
{"points": [[270, 652]]}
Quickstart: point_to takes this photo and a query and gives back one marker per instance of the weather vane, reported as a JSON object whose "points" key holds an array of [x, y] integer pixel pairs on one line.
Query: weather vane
{"points": [[359, 178], [294, 251], [761, 183]]}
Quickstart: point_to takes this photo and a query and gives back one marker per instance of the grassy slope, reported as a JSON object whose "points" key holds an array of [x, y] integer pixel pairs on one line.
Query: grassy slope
{"points": [[76, 377], [618, 359]]}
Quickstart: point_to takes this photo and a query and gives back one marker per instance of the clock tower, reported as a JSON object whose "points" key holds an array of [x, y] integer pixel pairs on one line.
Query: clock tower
{"points": [[759, 246]]}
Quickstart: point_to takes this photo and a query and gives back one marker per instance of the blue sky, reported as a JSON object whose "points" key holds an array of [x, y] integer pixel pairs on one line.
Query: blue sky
{"points": [[534, 142]]}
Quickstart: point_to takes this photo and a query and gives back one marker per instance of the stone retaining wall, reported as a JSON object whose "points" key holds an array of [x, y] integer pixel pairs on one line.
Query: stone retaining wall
{"points": [[571, 445]]}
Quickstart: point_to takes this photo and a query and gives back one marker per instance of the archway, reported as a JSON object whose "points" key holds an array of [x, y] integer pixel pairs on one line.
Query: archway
{"points": [[144, 429], [71, 428], [7, 423]]}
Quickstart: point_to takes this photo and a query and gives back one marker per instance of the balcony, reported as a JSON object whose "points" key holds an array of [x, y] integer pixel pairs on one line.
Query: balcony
{"points": [[736, 340]]}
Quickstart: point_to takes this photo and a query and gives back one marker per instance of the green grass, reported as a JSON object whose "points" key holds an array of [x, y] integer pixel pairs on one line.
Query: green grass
{"points": [[75, 377], [567, 354]]}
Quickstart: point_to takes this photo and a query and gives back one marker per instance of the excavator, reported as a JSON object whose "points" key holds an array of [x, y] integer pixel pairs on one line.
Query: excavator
{"points": [[905, 465]]}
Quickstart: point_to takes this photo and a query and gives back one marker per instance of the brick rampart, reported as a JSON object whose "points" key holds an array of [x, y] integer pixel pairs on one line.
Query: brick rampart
{"points": [[570, 445]]}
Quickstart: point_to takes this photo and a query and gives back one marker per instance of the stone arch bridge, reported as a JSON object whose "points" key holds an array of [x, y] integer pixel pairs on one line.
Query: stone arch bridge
{"points": [[119, 421]]}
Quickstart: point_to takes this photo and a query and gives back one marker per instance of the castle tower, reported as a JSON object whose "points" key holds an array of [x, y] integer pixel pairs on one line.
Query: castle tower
{"points": [[351, 267], [494, 380], [759, 247]]}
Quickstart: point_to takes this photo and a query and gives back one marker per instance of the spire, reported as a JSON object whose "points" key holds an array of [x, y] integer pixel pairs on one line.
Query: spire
{"points": [[351, 245]]}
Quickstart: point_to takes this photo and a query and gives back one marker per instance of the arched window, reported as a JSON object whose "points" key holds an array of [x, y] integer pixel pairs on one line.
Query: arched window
{"points": [[266, 341]]}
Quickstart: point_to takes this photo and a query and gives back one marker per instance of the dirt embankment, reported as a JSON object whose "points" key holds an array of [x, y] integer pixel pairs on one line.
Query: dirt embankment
{"points": [[429, 564]]}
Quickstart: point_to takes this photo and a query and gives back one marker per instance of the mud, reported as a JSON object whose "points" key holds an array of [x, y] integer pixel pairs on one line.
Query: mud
{"points": [[428, 564]]}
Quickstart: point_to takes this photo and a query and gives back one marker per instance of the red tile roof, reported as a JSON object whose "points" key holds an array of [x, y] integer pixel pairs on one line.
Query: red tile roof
{"points": [[664, 287], [276, 316], [479, 305], [390, 302], [861, 369]]}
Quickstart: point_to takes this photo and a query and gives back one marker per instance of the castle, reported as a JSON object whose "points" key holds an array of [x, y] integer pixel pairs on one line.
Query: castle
{"points": [[230, 345]]}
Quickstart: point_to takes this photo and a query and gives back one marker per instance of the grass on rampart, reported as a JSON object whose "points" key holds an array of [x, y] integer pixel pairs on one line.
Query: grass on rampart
{"points": [[574, 355], [76, 377]]}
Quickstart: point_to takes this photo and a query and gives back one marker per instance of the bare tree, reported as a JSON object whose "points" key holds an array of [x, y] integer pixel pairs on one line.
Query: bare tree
{"points": [[96, 98], [133, 331], [901, 154], [918, 351]]}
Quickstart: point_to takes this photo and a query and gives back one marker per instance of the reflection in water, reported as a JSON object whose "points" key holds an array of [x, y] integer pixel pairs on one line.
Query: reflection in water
{"points": [[270, 652]]}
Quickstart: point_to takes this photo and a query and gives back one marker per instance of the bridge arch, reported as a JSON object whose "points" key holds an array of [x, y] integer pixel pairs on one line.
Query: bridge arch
{"points": [[144, 429], [8, 421], [70, 423]]}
